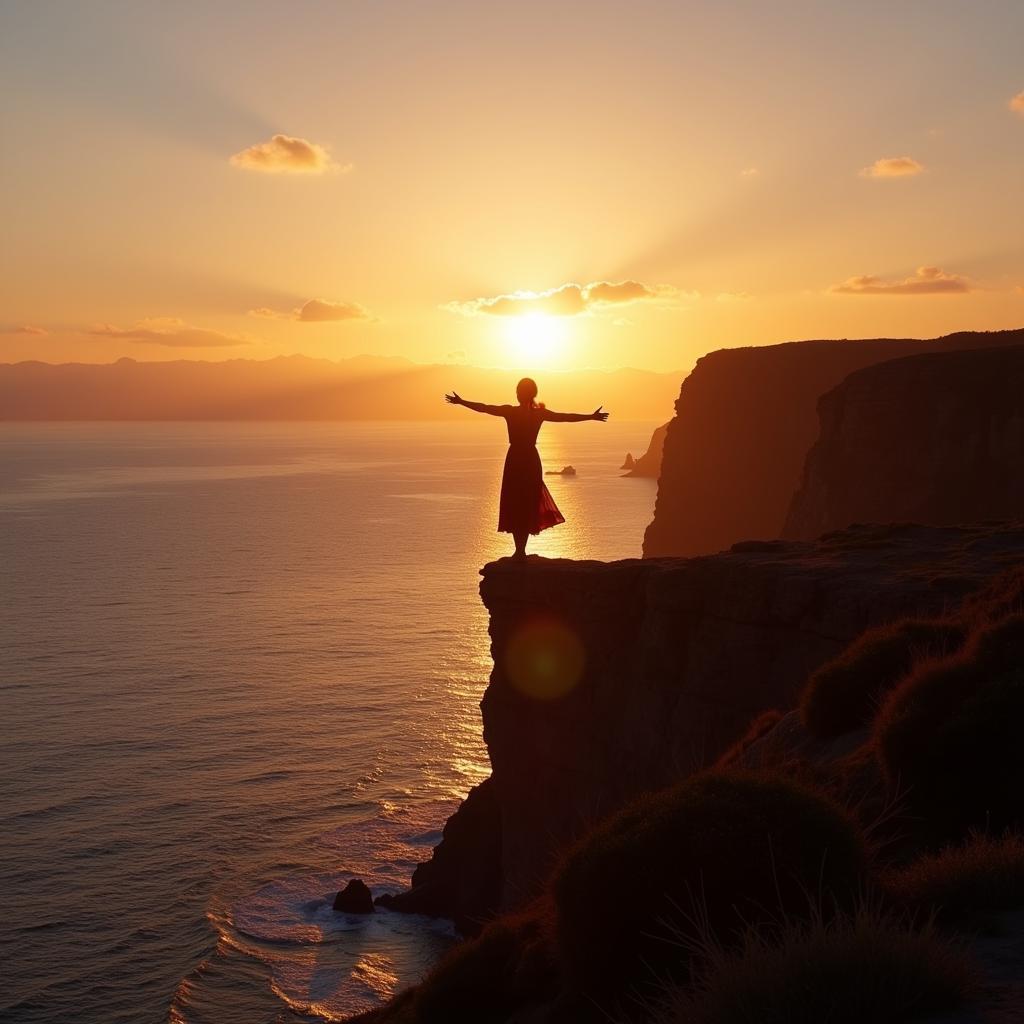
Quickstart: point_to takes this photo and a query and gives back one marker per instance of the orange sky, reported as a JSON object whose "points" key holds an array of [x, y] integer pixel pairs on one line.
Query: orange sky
{"points": [[250, 179]]}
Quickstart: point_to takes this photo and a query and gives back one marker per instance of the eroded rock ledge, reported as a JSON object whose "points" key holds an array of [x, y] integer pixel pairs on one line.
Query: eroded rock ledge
{"points": [[680, 654], [745, 418], [938, 438]]}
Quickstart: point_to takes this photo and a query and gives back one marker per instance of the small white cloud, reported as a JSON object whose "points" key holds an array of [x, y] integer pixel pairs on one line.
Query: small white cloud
{"points": [[749, 172], [927, 281], [284, 154], [316, 311], [41, 332], [320, 311], [1017, 103], [893, 167]]}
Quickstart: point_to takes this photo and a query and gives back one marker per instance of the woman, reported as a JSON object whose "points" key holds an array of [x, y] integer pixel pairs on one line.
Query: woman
{"points": [[526, 504]]}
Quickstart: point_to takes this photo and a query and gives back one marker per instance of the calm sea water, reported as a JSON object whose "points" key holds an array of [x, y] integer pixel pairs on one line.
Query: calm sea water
{"points": [[240, 664]]}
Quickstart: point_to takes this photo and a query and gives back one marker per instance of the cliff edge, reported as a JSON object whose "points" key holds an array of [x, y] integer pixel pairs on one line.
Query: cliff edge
{"points": [[613, 679]]}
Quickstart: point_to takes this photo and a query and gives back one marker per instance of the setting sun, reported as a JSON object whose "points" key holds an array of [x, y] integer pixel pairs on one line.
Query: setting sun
{"points": [[535, 339]]}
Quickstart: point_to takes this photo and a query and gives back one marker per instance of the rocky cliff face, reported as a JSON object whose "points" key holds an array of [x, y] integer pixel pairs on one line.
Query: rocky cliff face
{"points": [[935, 438], [614, 678], [744, 421], [649, 464]]}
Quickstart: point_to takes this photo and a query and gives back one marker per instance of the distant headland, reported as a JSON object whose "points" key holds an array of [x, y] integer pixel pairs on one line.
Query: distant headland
{"points": [[302, 388]]}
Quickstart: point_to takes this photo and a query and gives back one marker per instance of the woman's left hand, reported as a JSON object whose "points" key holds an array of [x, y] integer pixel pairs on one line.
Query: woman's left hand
{"points": [[454, 399], [598, 415]]}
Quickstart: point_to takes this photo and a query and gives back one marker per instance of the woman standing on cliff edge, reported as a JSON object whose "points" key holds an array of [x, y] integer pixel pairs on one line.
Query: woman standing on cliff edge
{"points": [[526, 503]]}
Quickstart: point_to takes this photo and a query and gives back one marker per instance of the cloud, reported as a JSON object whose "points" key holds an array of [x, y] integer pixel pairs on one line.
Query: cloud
{"points": [[171, 331], [41, 332], [320, 310], [893, 167], [283, 154], [927, 281], [316, 311], [566, 300], [749, 172], [1017, 103]]}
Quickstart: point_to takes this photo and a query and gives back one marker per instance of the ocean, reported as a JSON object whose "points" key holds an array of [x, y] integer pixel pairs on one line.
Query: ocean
{"points": [[240, 664]]}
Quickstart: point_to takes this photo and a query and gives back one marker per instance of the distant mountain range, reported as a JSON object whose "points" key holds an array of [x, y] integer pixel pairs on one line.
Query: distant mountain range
{"points": [[302, 388]]}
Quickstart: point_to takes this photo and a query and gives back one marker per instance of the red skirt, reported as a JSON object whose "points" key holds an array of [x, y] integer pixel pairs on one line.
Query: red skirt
{"points": [[526, 503]]}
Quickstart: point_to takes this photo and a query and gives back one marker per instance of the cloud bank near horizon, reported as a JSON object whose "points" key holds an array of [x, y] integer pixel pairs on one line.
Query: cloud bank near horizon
{"points": [[566, 300], [925, 281], [316, 311], [171, 331]]}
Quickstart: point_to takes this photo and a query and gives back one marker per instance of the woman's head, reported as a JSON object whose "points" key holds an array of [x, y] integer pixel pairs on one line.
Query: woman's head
{"points": [[526, 391]]}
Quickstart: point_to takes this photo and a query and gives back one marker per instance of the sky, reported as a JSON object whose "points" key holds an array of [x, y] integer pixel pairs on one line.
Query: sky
{"points": [[505, 184]]}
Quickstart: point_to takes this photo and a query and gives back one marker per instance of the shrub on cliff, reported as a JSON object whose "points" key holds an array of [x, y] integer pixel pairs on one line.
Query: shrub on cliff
{"points": [[509, 965], [1002, 597], [986, 873], [844, 694], [724, 848], [852, 970], [949, 735], [758, 729]]}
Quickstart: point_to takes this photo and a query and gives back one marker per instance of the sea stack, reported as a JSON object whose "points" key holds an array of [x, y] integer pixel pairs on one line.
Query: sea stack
{"points": [[355, 898]]}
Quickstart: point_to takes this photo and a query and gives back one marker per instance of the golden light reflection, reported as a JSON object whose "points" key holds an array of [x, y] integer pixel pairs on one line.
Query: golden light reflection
{"points": [[544, 659]]}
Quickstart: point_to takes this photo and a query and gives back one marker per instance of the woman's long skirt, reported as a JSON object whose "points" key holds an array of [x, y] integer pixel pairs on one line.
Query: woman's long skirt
{"points": [[526, 503]]}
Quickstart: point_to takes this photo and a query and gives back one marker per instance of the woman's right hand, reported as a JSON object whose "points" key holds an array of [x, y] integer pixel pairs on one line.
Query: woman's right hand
{"points": [[453, 399], [598, 415]]}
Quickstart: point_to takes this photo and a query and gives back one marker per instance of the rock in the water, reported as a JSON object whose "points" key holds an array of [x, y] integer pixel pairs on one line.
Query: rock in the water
{"points": [[629, 462], [355, 898]]}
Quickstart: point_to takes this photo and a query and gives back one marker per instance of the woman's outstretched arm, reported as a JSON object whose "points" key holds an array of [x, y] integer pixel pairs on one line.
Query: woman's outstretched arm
{"points": [[575, 417], [491, 410]]}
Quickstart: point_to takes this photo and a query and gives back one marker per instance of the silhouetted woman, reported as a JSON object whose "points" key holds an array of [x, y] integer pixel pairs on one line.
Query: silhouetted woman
{"points": [[526, 503]]}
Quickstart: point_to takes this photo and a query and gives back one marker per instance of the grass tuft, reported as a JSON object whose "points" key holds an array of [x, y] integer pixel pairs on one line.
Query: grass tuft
{"points": [[852, 969], [743, 847], [844, 694], [984, 874], [950, 734]]}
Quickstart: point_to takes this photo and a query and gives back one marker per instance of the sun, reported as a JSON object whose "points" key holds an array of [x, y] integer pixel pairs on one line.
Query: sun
{"points": [[535, 339]]}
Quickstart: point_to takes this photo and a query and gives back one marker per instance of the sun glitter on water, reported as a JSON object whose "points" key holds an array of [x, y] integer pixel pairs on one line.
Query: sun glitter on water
{"points": [[536, 339]]}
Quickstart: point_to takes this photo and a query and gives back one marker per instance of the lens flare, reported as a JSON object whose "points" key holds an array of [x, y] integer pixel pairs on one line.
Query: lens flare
{"points": [[544, 659]]}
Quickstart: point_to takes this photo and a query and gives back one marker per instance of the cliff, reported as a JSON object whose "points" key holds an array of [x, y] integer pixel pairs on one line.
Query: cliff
{"points": [[935, 438], [745, 419], [649, 464], [612, 679]]}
